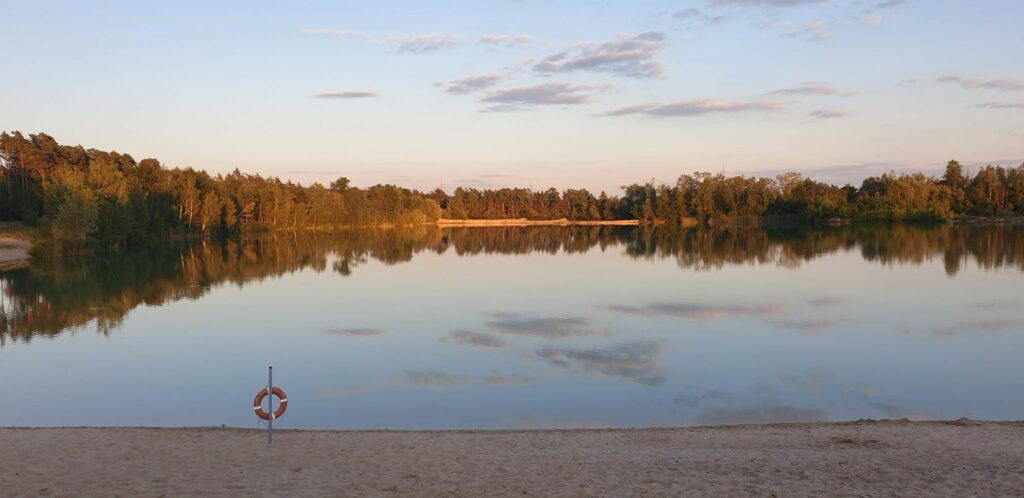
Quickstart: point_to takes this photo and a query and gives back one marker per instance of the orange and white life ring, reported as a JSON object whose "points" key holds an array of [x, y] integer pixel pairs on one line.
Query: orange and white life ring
{"points": [[257, 405]]}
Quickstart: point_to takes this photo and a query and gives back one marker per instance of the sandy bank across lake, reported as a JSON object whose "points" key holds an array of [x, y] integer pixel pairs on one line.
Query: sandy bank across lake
{"points": [[523, 222], [827, 459], [13, 251]]}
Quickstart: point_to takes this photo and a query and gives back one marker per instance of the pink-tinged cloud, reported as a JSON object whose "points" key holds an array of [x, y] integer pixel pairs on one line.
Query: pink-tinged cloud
{"points": [[829, 113], [695, 108], [474, 83], [629, 56], [351, 94], [1001, 84], [519, 98]]}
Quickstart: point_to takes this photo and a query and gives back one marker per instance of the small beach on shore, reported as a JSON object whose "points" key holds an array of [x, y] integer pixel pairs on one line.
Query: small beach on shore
{"points": [[887, 458], [13, 251]]}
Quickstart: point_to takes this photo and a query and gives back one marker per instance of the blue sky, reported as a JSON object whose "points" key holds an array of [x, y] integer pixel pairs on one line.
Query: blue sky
{"points": [[520, 93]]}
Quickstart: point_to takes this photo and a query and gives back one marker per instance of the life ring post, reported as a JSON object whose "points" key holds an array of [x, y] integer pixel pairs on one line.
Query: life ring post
{"points": [[270, 391]]}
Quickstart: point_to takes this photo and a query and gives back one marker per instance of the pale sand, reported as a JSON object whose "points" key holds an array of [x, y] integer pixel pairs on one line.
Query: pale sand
{"points": [[13, 251], [522, 222], [845, 459]]}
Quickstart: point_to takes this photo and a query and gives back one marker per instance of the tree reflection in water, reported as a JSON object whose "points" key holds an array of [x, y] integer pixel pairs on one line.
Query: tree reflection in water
{"points": [[53, 296]]}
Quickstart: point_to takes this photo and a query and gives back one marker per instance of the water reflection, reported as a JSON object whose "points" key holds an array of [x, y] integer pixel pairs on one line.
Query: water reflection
{"points": [[526, 327], [693, 310], [353, 332], [475, 339], [806, 326], [434, 379], [54, 296], [633, 361], [543, 327]]}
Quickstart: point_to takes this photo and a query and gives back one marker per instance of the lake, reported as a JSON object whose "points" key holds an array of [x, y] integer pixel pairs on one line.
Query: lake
{"points": [[530, 327]]}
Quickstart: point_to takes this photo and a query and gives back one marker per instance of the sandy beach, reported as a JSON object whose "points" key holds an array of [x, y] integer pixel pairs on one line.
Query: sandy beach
{"points": [[828, 459]]}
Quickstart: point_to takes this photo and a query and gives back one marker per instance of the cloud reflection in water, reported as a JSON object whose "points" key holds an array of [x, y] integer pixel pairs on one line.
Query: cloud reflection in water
{"points": [[543, 327], [694, 310], [352, 332], [632, 361], [474, 339]]}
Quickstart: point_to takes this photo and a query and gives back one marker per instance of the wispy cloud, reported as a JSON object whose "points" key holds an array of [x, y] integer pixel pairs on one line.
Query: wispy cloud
{"points": [[691, 13], [352, 332], [349, 94], [506, 40], [633, 361], [335, 33], [999, 105], [629, 56], [811, 30], [764, 3], [419, 44], [695, 108], [890, 4], [520, 98], [866, 20], [695, 14], [474, 83], [688, 13], [817, 30], [474, 339], [693, 310], [808, 89], [829, 113], [1002, 84], [410, 44]]}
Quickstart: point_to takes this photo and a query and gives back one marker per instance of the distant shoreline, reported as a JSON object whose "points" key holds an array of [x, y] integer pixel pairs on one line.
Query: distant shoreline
{"points": [[899, 458]]}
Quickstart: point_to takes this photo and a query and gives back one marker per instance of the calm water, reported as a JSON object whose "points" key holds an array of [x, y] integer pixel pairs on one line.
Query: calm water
{"points": [[525, 327]]}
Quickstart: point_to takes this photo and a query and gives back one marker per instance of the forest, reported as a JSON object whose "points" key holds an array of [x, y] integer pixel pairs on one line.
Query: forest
{"points": [[80, 198]]}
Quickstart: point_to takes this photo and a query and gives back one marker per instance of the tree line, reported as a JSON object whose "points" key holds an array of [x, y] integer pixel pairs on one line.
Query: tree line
{"points": [[81, 198], [87, 198]]}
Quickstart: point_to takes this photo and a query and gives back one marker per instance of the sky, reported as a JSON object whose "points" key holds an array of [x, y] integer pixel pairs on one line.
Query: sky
{"points": [[532, 93]]}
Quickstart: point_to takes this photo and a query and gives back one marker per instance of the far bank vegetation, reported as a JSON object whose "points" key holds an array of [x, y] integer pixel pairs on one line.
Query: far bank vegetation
{"points": [[84, 199]]}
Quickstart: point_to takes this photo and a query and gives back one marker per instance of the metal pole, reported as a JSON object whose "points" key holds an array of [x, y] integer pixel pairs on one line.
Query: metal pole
{"points": [[270, 397]]}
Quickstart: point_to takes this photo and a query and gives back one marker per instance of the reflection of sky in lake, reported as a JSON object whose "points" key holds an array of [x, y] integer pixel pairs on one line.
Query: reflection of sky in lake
{"points": [[547, 340]]}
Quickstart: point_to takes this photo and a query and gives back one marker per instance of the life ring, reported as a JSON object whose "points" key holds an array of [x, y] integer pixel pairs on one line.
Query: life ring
{"points": [[257, 404]]}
